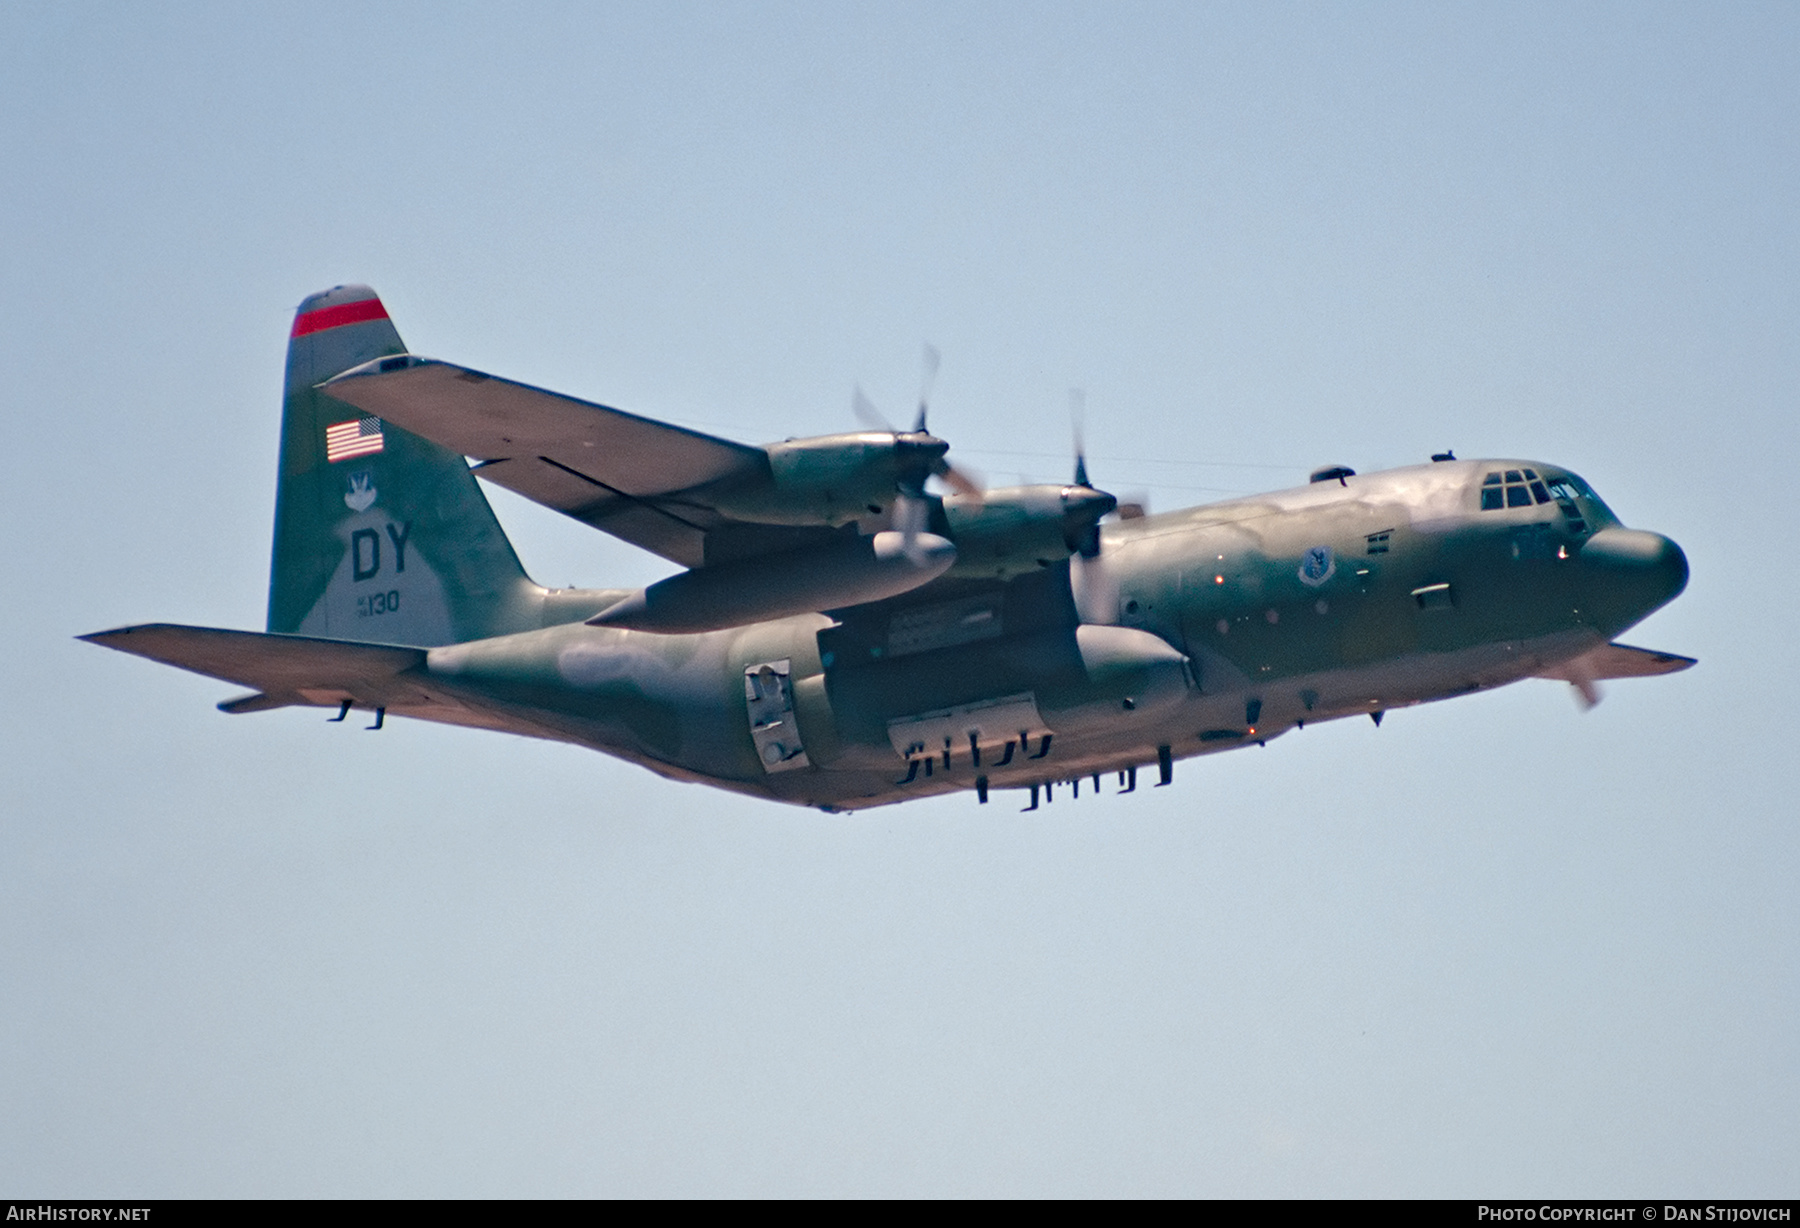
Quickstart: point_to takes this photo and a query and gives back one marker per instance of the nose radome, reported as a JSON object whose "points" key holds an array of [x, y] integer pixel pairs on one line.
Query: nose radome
{"points": [[1637, 555]]}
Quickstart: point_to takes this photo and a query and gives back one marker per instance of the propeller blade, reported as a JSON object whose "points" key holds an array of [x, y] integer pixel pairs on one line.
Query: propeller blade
{"points": [[921, 457], [868, 415], [910, 513], [1095, 588], [1581, 676], [1589, 692], [1077, 411], [1089, 546], [962, 481], [1092, 580], [1134, 505], [927, 380]]}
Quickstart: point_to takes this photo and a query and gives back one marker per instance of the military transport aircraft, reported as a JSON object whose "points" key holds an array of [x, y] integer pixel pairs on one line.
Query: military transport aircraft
{"points": [[843, 637]]}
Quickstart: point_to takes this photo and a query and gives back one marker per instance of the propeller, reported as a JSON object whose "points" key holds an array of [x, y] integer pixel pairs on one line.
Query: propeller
{"points": [[930, 363], [871, 417], [912, 511], [1078, 411], [868, 415], [1586, 686], [1091, 578]]}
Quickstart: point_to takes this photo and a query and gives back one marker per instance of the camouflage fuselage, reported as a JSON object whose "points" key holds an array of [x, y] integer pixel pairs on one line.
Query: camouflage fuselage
{"points": [[1221, 626], [986, 639]]}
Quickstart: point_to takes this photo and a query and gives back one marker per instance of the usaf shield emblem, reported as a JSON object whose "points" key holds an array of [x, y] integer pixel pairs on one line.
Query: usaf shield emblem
{"points": [[1317, 565]]}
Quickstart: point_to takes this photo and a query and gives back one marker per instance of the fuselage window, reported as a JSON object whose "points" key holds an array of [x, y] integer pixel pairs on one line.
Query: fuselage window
{"points": [[1378, 542]]}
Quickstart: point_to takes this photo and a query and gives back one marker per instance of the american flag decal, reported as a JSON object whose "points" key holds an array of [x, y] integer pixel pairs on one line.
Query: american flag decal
{"points": [[346, 439]]}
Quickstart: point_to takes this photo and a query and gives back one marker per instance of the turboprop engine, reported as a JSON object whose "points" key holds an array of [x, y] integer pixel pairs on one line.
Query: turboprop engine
{"points": [[1016, 529], [833, 479]]}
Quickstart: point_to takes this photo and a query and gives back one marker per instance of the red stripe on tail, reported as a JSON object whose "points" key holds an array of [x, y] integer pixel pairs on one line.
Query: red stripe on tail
{"points": [[338, 316]]}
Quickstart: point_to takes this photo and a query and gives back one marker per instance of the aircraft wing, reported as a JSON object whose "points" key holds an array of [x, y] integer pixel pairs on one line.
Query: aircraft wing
{"points": [[629, 476], [288, 670]]}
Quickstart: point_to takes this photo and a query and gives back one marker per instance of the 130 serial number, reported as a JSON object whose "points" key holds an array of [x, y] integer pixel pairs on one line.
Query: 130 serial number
{"points": [[378, 603]]}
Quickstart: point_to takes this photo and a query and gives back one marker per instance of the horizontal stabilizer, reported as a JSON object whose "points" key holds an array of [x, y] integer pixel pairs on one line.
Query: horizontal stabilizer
{"points": [[273, 664], [1586, 672], [290, 670], [1618, 661]]}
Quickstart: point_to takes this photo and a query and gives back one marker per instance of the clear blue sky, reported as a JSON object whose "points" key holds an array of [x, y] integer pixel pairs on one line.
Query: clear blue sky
{"points": [[1495, 947]]}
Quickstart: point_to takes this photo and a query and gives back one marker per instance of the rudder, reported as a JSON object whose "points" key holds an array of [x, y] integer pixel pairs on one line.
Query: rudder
{"points": [[380, 536]]}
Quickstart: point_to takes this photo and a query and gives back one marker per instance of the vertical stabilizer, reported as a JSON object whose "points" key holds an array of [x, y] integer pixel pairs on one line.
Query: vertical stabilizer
{"points": [[380, 536]]}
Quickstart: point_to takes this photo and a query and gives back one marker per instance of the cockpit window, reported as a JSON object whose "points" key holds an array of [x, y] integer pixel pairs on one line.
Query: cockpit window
{"points": [[1565, 490], [1581, 507], [1512, 488]]}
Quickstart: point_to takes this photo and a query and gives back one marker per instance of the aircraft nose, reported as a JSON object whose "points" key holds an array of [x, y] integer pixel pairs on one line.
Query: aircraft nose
{"points": [[1649, 567]]}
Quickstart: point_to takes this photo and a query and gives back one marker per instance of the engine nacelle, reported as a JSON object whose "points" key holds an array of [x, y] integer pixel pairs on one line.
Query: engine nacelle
{"points": [[831, 479], [1017, 529]]}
